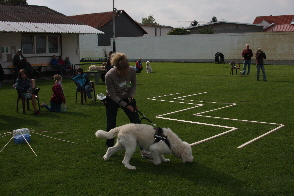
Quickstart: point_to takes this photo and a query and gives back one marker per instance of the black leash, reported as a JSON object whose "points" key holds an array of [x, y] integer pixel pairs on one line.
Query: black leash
{"points": [[144, 117], [158, 131]]}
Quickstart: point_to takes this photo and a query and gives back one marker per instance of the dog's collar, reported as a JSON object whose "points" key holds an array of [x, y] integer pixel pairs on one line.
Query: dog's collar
{"points": [[158, 136]]}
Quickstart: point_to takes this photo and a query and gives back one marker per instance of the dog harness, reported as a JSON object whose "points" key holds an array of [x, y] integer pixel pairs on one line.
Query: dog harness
{"points": [[158, 136]]}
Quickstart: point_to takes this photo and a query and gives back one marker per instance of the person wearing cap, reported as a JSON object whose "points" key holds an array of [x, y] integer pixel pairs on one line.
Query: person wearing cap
{"points": [[18, 61]]}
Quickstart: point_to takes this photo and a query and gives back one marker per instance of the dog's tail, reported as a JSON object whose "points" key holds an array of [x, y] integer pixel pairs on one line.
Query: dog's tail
{"points": [[107, 135]]}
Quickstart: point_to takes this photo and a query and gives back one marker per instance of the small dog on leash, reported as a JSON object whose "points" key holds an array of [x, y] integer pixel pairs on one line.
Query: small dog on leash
{"points": [[148, 67], [158, 141]]}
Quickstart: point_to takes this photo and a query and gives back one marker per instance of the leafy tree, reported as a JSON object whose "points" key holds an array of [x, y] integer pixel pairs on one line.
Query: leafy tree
{"points": [[179, 31], [149, 20], [214, 19], [206, 30], [17, 2], [194, 23]]}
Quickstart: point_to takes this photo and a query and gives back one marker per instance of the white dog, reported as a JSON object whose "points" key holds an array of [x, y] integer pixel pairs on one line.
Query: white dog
{"points": [[148, 67], [96, 68], [157, 141]]}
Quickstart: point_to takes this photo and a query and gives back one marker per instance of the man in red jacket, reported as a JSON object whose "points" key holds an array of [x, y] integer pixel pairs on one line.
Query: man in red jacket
{"points": [[247, 54]]}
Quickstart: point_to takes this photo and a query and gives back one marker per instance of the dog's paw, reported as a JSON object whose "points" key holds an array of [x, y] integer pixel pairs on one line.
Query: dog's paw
{"points": [[130, 167], [165, 160], [105, 158]]}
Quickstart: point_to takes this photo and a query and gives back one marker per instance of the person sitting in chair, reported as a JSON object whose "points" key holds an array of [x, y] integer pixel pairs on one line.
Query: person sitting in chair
{"points": [[83, 83], [58, 64], [24, 88]]}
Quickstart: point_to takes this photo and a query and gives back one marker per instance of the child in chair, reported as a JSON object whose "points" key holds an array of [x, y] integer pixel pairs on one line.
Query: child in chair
{"points": [[83, 82], [24, 87], [57, 97]]}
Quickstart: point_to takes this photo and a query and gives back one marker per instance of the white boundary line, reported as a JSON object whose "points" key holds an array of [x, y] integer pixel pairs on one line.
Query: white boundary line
{"points": [[181, 100], [33, 131]]}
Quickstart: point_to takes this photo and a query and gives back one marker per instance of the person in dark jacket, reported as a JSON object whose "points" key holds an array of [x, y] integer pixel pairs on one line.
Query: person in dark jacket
{"points": [[24, 87], [260, 55], [18, 62]]}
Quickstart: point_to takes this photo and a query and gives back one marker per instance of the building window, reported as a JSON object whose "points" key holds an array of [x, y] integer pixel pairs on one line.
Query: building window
{"points": [[53, 44], [28, 44], [41, 44]]}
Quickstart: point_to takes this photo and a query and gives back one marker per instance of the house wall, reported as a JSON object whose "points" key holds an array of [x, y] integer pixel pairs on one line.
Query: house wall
{"points": [[156, 30], [70, 47], [69, 44], [278, 47], [88, 45], [11, 42]]}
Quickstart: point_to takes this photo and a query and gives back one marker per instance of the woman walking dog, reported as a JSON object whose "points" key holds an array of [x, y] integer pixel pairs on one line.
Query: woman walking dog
{"points": [[121, 85]]}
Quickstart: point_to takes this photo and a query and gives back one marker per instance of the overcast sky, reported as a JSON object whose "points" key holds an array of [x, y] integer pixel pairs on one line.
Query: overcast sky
{"points": [[176, 13]]}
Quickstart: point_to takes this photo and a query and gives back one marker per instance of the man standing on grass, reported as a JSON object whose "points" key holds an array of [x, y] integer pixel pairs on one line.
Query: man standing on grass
{"points": [[260, 55], [247, 54]]}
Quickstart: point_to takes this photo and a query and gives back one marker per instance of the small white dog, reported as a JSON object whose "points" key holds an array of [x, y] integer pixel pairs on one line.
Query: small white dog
{"points": [[155, 140], [96, 68], [148, 67]]}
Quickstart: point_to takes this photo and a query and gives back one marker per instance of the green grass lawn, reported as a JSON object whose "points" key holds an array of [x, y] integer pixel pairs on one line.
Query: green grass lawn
{"points": [[69, 161]]}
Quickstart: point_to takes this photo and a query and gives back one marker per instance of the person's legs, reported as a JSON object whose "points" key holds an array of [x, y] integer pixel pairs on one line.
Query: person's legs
{"points": [[49, 108], [56, 107], [133, 116], [33, 97], [257, 72], [249, 64], [244, 67], [111, 112], [263, 72], [88, 89]]}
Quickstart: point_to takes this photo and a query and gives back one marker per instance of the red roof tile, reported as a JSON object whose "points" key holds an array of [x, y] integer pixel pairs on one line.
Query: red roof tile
{"points": [[99, 20], [279, 20], [96, 20], [283, 28]]}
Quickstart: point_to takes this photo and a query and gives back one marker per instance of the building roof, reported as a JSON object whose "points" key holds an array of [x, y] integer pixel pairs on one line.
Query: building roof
{"points": [[99, 20], [279, 20], [39, 19], [95, 20], [154, 25], [29, 27], [281, 28], [33, 13], [220, 22]]}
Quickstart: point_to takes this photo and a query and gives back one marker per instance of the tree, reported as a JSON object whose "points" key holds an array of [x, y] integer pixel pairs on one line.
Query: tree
{"points": [[16, 2], [149, 20], [206, 30], [194, 23], [179, 31], [214, 19]]}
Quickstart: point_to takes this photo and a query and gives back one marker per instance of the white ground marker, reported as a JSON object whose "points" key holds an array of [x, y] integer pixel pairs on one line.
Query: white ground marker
{"points": [[181, 100]]}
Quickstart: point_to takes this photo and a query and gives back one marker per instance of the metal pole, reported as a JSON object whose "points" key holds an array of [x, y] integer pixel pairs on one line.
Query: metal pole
{"points": [[113, 21]]}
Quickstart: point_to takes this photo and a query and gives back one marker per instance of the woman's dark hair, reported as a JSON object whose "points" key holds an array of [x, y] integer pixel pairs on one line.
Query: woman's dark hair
{"points": [[20, 72], [120, 61], [80, 70]]}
